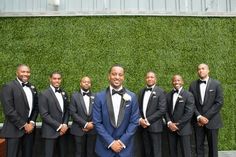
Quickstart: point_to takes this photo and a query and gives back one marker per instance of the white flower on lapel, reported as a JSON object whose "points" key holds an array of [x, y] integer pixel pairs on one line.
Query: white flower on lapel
{"points": [[127, 97], [92, 97], [32, 87], [154, 93], [63, 93], [180, 97]]}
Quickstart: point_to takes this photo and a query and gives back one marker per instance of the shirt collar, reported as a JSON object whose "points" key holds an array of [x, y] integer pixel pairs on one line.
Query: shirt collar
{"points": [[53, 88], [20, 81], [178, 89], [207, 79], [114, 88]]}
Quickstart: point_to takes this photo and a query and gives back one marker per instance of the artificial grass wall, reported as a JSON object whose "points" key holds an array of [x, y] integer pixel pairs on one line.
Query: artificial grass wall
{"points": [[79, 46]]}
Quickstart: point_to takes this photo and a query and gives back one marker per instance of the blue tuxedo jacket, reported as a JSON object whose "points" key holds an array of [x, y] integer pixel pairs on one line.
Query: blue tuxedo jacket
{"points": [[108, 131]]}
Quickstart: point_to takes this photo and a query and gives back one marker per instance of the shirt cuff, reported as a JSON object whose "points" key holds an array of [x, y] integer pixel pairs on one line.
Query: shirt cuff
{"points": [[168, 123], [147, 122], [110, 144], [23, 126], [85, 125], [198, 117], [32, 122], [59, 127], [123, 145]]}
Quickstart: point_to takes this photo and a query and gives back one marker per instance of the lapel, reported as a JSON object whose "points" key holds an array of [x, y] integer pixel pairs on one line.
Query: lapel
{"points": [[22, 92], [81, 100], [150, 98], [141, 101], [91, 104], [198, 92], [55, 99], [110, 107], [171, 101], [122, 111], [206, 91], [177, 101]]}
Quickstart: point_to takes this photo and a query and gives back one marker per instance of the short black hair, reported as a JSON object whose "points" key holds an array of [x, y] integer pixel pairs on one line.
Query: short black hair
{"points": [[55, 72], [116, 65]]}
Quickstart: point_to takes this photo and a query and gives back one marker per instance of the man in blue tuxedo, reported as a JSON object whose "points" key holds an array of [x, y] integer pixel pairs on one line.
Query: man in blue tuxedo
{"points": [[115, 116]]}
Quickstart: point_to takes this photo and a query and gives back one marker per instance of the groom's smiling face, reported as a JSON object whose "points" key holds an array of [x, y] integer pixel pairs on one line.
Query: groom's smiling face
{"points": [[116, 77]]}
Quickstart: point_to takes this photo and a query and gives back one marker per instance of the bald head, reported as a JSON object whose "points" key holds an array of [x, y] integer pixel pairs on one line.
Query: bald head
{"points": [[85, 83]]}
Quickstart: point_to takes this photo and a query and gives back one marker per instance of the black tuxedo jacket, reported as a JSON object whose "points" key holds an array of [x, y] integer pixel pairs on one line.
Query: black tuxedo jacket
{"points": [[182, 112], [212, 104], [16, 109], [156, 108], [79, 113], [51, 113]]}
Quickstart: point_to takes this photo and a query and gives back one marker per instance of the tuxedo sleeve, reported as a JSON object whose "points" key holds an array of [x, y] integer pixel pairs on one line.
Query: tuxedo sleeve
{"points": [[188, 111], [217, 104], [161, 111], [74, 113], [7, 98], [98, 122], [167, 116], [44, 111], [133, 122]]}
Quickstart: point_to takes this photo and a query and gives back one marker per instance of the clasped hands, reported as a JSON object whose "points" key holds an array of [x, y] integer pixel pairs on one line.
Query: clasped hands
{"points": [[63, 129], [89, 127], [144, 122], [29, 127], [202, 121], [117, 146], [173, 126]]}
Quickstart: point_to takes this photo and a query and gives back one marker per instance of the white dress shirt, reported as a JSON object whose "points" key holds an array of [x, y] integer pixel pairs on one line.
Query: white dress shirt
{"points": [[29, 96], [146, 98], [86, 100], [175, 97], [203, 89], [116, 100], [59, 98]]}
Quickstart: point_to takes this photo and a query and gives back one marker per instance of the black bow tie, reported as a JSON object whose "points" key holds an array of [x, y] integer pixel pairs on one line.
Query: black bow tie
{"points": [[58, 90], [120, 92], [86, 93], [26, 84], [148, 89], [200, 81], [176, 91]]}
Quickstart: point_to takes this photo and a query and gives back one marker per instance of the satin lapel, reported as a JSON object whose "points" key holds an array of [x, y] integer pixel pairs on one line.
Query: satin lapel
{"points": [[122, 111], [198, 93], [55, 99], [171, 100], [91, 104], [150, 98], [22, 93], [81, 100], [110, 107], [141, 101], [206, 91]]}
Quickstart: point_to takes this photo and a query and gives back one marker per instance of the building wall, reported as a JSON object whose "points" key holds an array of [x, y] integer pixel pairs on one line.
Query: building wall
{"points": [[121, 7]]}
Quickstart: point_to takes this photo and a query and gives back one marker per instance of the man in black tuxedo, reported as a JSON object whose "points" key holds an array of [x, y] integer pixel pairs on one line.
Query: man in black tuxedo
{"points": [[180, 108], [53, 104], [152, 103], [208, 103], [20, 106], [82, 127]]}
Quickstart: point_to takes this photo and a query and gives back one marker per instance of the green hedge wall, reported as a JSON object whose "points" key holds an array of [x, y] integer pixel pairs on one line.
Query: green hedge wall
{"points": [[79, 46]]}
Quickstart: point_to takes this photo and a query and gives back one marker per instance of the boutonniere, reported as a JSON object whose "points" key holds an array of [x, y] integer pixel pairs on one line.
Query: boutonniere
{"points": [[180, 97], [33, 89], [154, 93], [127, 97], [92, 97]]}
